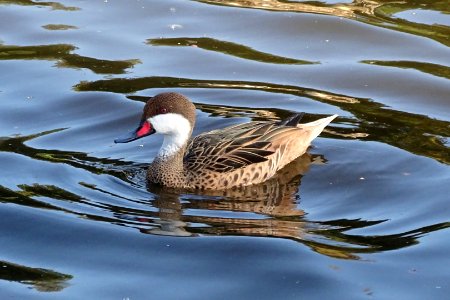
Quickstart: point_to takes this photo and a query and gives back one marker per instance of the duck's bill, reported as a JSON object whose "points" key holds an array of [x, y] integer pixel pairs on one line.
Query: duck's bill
{"points": [[144, 129]]}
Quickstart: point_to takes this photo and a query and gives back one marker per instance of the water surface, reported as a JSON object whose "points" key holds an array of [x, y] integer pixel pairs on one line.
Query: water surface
{"points": [[364, 214]]}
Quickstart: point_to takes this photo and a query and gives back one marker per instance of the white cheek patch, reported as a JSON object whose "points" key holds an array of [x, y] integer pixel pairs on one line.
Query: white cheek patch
{"points": [[176, 130]]}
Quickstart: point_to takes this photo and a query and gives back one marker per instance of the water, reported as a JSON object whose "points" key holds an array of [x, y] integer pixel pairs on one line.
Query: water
{"points": [[365, 214]]}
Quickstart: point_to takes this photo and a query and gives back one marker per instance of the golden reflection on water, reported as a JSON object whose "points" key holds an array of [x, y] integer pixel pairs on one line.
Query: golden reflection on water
{"points": [[379, 13], [339, 9]]}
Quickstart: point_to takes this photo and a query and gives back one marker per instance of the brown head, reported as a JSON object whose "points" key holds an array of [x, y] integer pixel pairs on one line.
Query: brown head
{"points": [[165, 103], [171, 114]]}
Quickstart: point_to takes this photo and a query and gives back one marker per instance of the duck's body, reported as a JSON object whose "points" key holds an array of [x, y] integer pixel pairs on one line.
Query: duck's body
{"points": [[239, 155]]}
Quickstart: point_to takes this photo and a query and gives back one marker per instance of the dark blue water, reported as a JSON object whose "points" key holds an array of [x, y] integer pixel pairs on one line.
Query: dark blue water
{"points": [[364, 215]]}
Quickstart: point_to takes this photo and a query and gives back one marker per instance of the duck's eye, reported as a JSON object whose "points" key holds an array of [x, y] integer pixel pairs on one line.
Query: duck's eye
{"points": [[163, 110]]}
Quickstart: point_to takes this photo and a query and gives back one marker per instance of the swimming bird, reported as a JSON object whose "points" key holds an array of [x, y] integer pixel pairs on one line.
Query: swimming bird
{"points": [[239, 155]]}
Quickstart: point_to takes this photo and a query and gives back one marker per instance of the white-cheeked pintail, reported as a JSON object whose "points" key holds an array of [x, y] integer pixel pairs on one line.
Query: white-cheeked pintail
{"points": [[238, 155]]}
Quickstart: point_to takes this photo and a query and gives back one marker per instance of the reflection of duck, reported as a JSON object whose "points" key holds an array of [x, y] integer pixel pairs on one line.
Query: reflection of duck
{"points": [[275, 197], [239, 155], [275, 201]]}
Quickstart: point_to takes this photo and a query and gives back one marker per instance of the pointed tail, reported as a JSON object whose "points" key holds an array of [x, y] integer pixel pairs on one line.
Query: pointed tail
{"points": [[316, 127]]}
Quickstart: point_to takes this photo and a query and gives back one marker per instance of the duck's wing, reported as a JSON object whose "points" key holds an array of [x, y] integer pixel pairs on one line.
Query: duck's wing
{"points": [[234, 147]]}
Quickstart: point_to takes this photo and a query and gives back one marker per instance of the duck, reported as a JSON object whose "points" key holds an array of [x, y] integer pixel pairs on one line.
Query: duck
{"points": [[236, 156]]}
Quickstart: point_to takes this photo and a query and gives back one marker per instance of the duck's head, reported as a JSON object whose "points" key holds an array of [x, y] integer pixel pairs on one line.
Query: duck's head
{"points": [[171, 114]]}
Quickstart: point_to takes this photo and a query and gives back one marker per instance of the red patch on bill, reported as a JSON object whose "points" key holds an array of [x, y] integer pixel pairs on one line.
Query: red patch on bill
{"points": [[145, 128]]}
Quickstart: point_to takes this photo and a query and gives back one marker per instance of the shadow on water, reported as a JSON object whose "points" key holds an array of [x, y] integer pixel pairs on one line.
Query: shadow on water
{"points": [[62, 53], [43, 280], [377, 13], [228, 48], [418, 134]]}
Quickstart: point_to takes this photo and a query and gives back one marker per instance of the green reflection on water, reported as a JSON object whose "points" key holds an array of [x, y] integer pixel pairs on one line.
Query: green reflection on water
{"points": [[58, 27], [349, 245], [415, 133], [43, 280], [226, 48], [62, 54], [53, 5], [433, 69]]}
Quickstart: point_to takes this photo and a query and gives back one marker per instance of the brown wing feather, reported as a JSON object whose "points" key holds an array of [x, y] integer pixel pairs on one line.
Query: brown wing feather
{"points": [[234, 147]]}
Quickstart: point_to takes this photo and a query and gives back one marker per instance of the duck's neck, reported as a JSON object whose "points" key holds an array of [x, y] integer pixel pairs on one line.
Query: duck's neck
{"points": [[167, 168]]}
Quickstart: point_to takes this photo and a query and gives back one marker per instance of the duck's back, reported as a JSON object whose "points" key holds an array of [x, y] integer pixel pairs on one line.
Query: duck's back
{"points": [[247, 153]]}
